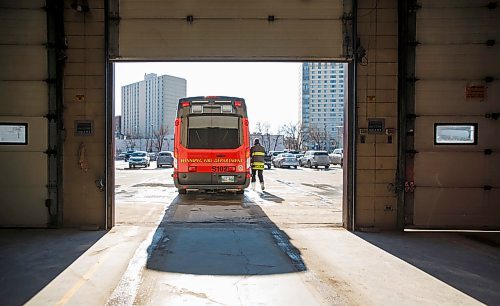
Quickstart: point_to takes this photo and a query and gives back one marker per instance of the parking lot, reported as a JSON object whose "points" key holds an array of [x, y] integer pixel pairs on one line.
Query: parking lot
{"points": [[292, 196]]}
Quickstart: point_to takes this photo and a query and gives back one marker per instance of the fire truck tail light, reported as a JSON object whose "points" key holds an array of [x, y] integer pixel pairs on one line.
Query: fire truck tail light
{"points": [[249, 175], [185, 104], [192, 168], [237, 103]]}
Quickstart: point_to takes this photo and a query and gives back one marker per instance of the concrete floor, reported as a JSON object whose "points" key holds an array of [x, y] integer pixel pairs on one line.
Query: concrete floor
{"points": [[335, 267], [270, 248]]}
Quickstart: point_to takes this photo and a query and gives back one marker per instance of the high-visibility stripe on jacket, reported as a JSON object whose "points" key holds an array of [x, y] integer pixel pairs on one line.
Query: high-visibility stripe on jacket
{"points": [[257, 153]]}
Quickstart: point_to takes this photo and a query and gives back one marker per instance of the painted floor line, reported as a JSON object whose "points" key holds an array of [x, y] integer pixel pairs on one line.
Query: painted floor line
{"points": [[74, 289], [126, 290]]}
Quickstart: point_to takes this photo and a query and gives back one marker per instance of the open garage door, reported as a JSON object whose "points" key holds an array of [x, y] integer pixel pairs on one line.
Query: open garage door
{"points": [[24, 103], [244, 30], [456, 160]]}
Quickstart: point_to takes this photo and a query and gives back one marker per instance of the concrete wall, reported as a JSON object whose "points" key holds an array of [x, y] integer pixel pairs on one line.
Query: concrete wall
{"points": [[377, 81], [84, 203]]}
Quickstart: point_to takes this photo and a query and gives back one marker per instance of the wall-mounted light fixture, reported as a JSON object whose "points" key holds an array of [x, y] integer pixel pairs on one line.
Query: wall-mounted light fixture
{"points": [[80, 5]]}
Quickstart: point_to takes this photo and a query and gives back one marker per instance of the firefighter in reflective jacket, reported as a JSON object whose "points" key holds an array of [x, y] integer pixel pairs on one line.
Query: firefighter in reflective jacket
{"points": [[257, 152]]}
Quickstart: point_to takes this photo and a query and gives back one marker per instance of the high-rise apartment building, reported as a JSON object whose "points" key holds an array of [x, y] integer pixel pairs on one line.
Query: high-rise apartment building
{"points": [[321, 108], [151, 104]]}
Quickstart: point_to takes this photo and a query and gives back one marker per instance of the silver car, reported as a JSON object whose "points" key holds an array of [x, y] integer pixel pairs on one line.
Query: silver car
{"points": [[164, 158], [337, 157], [285, 160], [152, 156], [139, 158], [274, 154], [315, 158]]}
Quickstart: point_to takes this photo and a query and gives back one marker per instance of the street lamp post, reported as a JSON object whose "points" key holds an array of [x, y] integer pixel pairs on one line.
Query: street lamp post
{"points": [[151, 139]]}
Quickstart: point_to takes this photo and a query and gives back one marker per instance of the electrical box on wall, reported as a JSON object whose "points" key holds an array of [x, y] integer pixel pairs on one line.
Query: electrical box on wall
{"points": [[362, 135], [84, 127], [389, 132], [376, 126]]}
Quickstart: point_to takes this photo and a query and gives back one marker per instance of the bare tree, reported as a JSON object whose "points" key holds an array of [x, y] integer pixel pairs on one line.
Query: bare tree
{"points": [[287, 132], [140, 138], [259, 127], [302, 136], [319, 136], [327, 138], [276, 140], [149, 144], [159, 137], [293, 135], [130, 142]]}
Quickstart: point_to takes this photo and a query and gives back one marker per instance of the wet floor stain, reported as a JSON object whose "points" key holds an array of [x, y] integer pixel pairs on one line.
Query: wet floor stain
{"points": [[325, 187]]}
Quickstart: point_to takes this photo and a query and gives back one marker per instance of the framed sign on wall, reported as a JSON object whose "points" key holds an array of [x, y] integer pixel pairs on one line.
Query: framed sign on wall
{"points": [[13, 133]]}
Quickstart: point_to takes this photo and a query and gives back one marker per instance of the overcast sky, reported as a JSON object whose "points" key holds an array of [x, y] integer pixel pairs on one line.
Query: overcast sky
{"points": [[271, 90]]}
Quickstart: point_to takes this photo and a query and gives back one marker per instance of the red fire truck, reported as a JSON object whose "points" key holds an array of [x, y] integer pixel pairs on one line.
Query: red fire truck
{"points": [[211, 144]]}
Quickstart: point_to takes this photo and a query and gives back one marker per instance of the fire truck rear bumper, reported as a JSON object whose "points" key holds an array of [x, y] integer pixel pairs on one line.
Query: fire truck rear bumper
{"points": [[200, 181]]}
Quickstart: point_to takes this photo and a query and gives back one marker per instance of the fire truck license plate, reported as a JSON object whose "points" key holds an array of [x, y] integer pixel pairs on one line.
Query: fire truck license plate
{"points": [[227, 178]]}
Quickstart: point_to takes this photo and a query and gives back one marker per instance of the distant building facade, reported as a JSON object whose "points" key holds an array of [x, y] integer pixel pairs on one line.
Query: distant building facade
{"points": [[321, 108], [118, 127], [143, 144], [269, 142], [150, 104]]}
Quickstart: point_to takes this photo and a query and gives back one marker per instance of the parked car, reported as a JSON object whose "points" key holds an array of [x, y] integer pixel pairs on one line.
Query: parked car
{"points": [[302, 160], [139, 158], [337, 157], [128, 154], [267, 161], [274, 154], [120, 156], [315, 159], [286, 160], [298, 156], [165, 158], [152, 155]]}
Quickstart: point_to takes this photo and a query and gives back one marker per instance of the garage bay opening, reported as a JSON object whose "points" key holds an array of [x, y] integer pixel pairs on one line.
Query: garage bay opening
{"points": [[295, 109]]}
